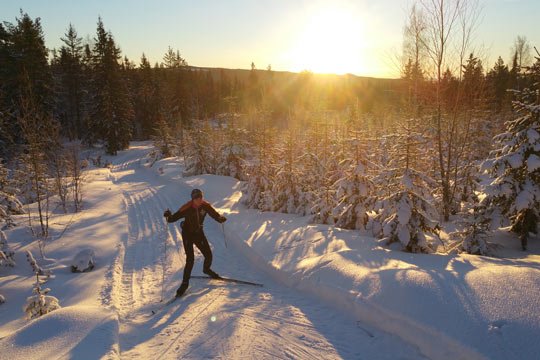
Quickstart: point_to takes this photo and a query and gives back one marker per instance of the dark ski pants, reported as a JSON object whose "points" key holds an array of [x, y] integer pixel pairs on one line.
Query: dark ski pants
{"points": [[199, 239]]}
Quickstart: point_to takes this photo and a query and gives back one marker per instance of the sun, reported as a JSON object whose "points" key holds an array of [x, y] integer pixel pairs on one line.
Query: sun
{"points": [[330, 41]]}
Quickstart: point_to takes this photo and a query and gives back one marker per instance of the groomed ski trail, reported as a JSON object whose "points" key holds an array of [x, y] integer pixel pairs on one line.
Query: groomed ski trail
{"points": [[216, 320]]}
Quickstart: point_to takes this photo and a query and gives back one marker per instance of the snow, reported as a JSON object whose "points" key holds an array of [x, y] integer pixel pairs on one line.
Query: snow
{"points": [[533, 163], [524, 199], [83, 261], [73, 332], [533, 136], [515, 160], [329, 293], [449, 306]]}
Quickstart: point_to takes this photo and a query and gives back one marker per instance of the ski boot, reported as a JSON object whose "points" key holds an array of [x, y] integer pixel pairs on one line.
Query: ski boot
{"points": [[212, 274], [182, 289]]}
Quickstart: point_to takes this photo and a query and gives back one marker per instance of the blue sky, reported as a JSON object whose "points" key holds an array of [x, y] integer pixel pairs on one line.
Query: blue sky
{"points": [[289, 35]]}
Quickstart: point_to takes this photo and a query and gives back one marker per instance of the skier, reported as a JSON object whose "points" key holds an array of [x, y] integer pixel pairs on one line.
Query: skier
{"points": [[194, 212]]}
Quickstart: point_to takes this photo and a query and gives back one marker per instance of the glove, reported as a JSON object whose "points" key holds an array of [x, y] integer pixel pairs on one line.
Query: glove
{"points": [[222, 219], [167, 213]]}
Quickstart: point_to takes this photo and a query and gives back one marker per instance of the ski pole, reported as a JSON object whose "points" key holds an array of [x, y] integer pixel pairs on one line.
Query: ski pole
{"points": [[164, 260], [224, 238]]}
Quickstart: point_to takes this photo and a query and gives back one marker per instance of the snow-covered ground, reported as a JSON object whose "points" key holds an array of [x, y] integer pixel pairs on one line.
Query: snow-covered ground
{"points": [[449, 306], [329, 293], [106, 313]]}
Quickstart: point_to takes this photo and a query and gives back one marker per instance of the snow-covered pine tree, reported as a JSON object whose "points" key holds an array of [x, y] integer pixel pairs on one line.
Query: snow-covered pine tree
{"points": [[35, 267], [404, 213], [233, 151], [286, 190], [515, 164], [163, 141], [464, 183], [197, 159], [260, 169], [406, 216], [354, 190], [324, 201], [40, 303], [310, 166], [474, 234], [6, 255]]}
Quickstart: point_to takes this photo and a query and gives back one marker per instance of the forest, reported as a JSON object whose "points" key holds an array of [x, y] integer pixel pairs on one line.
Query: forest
{"points": [[453, 139]]}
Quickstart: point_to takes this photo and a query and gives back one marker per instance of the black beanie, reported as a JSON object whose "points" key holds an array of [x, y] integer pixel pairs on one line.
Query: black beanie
{"points": [[196, 193]]}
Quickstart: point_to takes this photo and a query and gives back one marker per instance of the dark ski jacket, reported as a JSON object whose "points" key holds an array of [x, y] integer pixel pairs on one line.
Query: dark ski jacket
{"points": [[194, 217]]}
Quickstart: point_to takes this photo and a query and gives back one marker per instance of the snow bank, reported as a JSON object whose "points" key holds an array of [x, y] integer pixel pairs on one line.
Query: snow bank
{"points": [[72, 332], [87, 299], [450, 306]]}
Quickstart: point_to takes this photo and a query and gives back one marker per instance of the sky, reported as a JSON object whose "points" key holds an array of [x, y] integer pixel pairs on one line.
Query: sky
{"points": [[340, 36]]}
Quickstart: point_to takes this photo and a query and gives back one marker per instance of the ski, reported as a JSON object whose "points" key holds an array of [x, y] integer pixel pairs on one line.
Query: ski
{"points": [[227, 279], [162, 306]]}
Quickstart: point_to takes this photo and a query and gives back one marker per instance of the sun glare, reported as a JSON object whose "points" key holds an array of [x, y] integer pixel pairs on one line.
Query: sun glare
{"points": [[330, 42]]}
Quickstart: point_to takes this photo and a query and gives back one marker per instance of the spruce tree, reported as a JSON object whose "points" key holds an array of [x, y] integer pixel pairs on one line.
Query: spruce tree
{"points": [[286, 191], [233, 151], [70, 103], [147, 100], [260, 170], [354, 190], [40, 303], [515, 164], [498, 80], [198, 160], [404, 210], [111, 111], [474, 233], [22, 55]]}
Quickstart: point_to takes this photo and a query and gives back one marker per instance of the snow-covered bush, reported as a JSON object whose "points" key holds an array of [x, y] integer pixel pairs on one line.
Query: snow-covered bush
{"points": [[515, 168], [35, 267], [83, 261], [40, 303], [6, 255], [474, 234]]}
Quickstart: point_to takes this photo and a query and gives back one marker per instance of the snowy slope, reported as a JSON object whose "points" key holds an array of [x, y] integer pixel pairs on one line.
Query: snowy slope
{"points": [[450, 306], [106, 312], [100, 227]]}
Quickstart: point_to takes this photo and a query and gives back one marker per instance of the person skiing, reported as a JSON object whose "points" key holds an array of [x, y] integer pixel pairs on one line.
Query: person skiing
{"points": [[194, 212]]}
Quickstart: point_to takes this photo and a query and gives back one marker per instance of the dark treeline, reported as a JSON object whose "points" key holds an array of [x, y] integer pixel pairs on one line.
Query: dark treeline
{"points": [[95, 94]]}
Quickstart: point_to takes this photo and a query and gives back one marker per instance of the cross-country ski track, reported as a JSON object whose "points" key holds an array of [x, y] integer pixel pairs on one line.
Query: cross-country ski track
{"points": [[215, 320]]}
